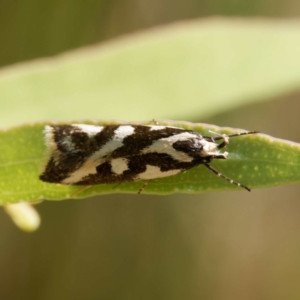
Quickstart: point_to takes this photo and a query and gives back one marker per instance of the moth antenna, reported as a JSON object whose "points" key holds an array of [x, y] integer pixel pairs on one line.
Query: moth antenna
{"points": [[221, 136], [143, 187], [243, 133], [225, 177]]}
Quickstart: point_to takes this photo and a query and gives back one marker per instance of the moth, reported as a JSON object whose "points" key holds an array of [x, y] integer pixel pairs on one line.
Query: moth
{"points": [[81, 154]]}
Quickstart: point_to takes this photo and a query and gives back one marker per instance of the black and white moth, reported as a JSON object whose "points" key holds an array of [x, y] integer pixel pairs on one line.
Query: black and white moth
{"points": [[83, 154]]}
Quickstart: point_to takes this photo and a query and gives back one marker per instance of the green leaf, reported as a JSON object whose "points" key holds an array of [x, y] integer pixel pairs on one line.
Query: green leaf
{"points": [[256, 161], [187, 70]]}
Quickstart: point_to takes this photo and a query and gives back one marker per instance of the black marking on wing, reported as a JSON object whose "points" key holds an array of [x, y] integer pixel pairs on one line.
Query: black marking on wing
{"points": [[136, 165], [143, 137], [75, 146], [70, 138]]}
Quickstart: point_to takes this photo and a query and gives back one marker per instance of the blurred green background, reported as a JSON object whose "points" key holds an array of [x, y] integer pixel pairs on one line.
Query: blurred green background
{"points": [[225, 245]]}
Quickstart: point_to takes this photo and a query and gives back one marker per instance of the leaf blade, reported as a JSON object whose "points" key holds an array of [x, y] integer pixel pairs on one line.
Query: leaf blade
{"points": [[256, 161]]}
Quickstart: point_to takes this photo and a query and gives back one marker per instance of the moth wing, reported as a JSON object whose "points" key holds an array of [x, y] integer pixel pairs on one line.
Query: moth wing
{"points": [[165, 146]]}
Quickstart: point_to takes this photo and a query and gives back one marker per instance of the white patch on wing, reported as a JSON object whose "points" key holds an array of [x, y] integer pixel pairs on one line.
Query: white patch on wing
{"points": [[123, 131], [153, 172], [49, 137], [89, 167], [165, 146], [159, 127], [91, 130], [119, 165], [97, 158], [156, 127], [116, 142]]}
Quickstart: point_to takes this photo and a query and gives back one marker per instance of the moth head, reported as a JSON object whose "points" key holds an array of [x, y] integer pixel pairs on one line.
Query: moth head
{"points": [[200, 148]]}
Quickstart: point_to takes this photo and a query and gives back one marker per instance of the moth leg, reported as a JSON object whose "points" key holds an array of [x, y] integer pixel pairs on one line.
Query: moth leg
{"points": [[225, 177], [225, 142], [115, 186], [223, 137], [153, 122], [218, 136], [143, 187], [81, 190], [226, 138]]}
